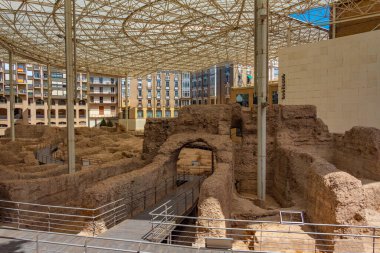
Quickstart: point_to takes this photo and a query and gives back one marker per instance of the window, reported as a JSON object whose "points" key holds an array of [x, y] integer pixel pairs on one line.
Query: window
{"points": [[139, 93], [139, 84], [158, 94], [176, 93], [112, 99], [176, 83], [149, 103], [101, 89], [140, 114], [112, 89], [92, 99], [113, 108], [175, 113], [167, 114], [158, 114], [158, 83], [149, 114], [176, 103], [149, 93], [167, 84], [167, 94], [167, 104], [101, 100]]}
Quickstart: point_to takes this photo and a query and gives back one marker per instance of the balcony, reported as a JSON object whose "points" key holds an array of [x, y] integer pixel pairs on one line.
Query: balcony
{"points": [[38, 95], [22, 92], [176, 87], [103, 92], [40, 116], [104, 102], [168, 87], [139, 106], [61, 116], [21, 70], [3, 117], [97, 115], [21, 81], [158, 87]]}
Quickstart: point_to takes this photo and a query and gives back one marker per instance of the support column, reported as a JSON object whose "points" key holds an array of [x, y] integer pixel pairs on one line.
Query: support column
{"points": [[70, 85], [334, 19], [289, 37], [88, 98], [126, 103], [12, 95], [261, 80], [49, 94]]}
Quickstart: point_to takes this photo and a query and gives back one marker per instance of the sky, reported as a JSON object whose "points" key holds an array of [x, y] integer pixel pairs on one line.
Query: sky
{"points": [[316, 16]]}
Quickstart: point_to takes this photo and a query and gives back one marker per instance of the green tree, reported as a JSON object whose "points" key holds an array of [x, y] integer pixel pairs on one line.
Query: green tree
{"points": [[109, 123], [103, 123]]}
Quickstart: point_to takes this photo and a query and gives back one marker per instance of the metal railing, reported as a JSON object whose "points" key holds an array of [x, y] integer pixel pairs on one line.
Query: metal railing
{"points": [[268, 236], [165, 217], [40, 242], [22, 215]]}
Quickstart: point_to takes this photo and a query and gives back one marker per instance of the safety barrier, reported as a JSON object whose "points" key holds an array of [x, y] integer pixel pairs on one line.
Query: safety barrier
{"points": [[269, 236], [75, 219]]}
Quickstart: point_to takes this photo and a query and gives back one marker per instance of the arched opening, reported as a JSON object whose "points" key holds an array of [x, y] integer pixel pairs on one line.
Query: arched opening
{"points": [[3, 125], [82, 123], [61, 113], [3, 100], [40, 102], [82, 113], [82, 102], [40, 114], [40, 123], [195, 160], [3, 114], [62, 123]]}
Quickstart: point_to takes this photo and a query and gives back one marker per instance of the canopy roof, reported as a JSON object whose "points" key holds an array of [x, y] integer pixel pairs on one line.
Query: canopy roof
{"points": [[136, 37]]}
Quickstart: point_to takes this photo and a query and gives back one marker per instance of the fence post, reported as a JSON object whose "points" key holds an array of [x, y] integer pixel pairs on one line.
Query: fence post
{"points": [[192, 195], [114, 214], [18, 215], [85, 245], [185, 201], [144, 200], [49, 218], [155, 194], [37, 246], [131, 204], [374, 241], [93, 224]]}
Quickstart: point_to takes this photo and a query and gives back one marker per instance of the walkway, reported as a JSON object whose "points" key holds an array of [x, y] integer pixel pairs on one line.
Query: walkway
{"points": [[139, 226]]}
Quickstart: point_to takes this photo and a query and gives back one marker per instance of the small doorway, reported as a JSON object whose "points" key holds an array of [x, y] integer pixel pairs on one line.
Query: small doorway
{"points": [[101, 110]]}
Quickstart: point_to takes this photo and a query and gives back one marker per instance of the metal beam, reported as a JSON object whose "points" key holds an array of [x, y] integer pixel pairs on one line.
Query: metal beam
{"points": [[70, 85], [49, 94], [12, 95], [261, 80]]}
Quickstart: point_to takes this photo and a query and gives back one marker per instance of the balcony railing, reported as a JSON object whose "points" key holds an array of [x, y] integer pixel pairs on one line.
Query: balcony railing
{"points": [[62, 116], [94, 115], [81, 116], [40, 116], [3, 117]]}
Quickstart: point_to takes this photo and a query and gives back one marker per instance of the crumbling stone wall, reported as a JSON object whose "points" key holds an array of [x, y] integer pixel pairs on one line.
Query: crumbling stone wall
{"points": [[358, 152]]}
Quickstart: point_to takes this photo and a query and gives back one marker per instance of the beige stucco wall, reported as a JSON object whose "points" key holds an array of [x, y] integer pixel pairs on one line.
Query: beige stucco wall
{"points": [[341, 77]]}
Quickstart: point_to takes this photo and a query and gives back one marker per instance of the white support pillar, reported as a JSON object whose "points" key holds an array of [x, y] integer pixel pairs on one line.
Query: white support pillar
{"points": [[70, 85], [126, 104], [88, 97], [49, 94], [12, 96], [261, 80]]}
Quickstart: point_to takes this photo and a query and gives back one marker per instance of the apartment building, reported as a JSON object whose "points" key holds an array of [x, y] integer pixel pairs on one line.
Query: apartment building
{"points": [[154, 96], [215, 84], [103, 103]]}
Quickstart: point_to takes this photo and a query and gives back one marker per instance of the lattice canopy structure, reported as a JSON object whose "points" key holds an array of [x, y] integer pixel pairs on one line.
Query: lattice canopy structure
{"points": [[142, 36]]}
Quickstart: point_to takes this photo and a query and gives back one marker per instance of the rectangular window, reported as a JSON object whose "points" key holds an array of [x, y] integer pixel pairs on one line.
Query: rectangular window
{"points": [[176, 93], [101, 100], [112, 99], [112, 90], [167, 84], [167, 114], [167, 94], [140, 93]]}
